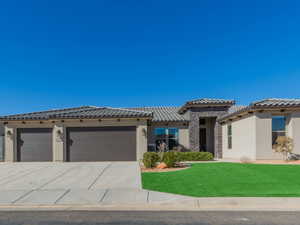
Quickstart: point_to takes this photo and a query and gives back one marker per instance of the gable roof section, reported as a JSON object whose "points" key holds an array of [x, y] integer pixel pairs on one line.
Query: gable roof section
{"points": [[164, 113], [271, 103], [84, 112], [277, 102], [205, 102]]}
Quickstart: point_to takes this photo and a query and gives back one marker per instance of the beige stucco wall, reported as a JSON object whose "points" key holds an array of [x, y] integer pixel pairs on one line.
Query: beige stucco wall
{"points": [[243, 139], [183, 132], [59, 139], [264, 148], [252, 136], [294, 130]]}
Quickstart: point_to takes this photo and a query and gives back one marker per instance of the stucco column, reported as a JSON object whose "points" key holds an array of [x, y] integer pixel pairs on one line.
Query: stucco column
{"points": [[218, 141], [141, 141], [10, 140], [58, 142]]}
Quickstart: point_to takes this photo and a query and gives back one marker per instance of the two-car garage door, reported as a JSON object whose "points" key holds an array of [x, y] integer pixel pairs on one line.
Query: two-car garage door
{"points": [[101, 144], [83, 144]]}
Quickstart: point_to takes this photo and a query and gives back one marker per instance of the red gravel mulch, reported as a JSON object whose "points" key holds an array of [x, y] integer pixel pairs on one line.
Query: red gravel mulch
{"points": [[180, 167]]}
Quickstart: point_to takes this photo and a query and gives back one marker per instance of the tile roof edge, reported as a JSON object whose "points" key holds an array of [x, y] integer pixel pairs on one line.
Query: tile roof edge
{"points": [[49, 111]]}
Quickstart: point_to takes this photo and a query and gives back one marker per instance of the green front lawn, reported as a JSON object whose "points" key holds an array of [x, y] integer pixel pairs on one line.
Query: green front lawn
{"points": [[228, 179]]}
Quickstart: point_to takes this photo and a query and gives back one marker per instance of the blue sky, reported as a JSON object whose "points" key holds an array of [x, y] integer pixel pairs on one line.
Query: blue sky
{"points": [[57, 54]]}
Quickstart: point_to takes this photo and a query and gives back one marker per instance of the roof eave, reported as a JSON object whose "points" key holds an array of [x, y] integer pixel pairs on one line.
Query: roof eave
{"points": [[187, 106], [74, 117], [253, 108]]}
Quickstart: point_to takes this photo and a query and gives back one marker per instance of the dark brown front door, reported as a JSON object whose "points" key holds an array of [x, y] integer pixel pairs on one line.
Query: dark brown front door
{"points": [[34, 144], [101, 144], [202, 139]]}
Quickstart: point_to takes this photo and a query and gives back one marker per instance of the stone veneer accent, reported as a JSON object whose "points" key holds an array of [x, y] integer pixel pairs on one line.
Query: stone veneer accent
{"points": [[204, 112]]}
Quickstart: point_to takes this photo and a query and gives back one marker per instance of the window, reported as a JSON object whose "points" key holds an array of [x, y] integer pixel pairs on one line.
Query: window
{"points": [[166, 138], [278, 128], [229, 136]]}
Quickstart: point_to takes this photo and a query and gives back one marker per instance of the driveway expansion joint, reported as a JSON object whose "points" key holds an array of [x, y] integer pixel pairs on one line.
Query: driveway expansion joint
{"points": [[97, 178], [26, 173], [23, 196], [55, 178], [63, 195], [105, 193]]}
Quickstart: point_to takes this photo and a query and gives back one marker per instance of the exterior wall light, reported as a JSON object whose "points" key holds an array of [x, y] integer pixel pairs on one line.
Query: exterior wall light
{"points": [[60, 135], [9, 133]]}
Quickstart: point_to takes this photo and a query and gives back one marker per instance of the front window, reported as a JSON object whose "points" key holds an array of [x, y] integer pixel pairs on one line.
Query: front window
{"points": [[166, 139], [229, 136], [278, 128]]}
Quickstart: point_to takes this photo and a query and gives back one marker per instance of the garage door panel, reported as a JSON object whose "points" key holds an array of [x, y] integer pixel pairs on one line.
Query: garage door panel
{"points": [[102, 144], [34, 144]]}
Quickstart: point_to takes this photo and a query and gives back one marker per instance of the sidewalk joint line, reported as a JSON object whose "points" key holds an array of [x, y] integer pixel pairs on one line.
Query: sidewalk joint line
{"points": [[148, 193], [97, 178]]}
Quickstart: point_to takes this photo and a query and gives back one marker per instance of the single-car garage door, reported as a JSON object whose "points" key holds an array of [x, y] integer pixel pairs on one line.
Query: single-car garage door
{"points": [[34, 144], [101, 144]]}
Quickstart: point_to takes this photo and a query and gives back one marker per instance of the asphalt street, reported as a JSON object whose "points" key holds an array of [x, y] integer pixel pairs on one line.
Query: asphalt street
{"points": [[147, 218]]}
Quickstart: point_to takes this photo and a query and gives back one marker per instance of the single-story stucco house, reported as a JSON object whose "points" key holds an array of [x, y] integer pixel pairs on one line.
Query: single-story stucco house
{"points": [[90, 133]]}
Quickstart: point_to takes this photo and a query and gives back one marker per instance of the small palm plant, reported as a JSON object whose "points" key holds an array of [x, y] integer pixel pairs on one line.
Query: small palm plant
{"points": [[284, 145], [162, 147]]}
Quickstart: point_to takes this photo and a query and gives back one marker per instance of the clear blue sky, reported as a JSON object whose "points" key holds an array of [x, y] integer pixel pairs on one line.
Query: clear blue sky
{"points": [[135, 53]]}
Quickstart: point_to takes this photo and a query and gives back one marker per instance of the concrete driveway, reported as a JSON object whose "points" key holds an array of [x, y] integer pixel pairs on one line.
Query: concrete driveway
{"points": [[49, 183]]}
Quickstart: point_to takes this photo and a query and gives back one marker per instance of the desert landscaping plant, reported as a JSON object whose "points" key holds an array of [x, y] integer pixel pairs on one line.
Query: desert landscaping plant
{"points": [[170, 159], [162, 148], [150, 159], [284, 145]]}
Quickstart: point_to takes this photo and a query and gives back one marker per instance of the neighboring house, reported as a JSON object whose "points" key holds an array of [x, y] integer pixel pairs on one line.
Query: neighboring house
{"points": [[124, 134]]}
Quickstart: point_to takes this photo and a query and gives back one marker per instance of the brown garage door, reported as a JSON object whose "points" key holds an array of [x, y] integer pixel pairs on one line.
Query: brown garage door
{"points": [[101, 144], [34, 144]]}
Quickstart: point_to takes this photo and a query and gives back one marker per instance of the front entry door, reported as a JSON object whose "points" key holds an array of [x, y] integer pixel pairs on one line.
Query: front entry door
{"points": [[202, 140]]}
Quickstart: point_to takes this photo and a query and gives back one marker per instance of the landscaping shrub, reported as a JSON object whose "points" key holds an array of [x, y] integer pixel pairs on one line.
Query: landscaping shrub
{"points": [[170, 158], [150, 159], [194, 156]]}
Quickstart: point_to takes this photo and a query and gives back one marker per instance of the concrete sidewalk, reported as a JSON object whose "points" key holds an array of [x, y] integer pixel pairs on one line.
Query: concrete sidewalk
{"points": [[86, 197], [134, 199]]}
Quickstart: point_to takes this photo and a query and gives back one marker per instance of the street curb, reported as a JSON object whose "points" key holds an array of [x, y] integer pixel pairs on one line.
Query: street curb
{"points": [[144, 207]]}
